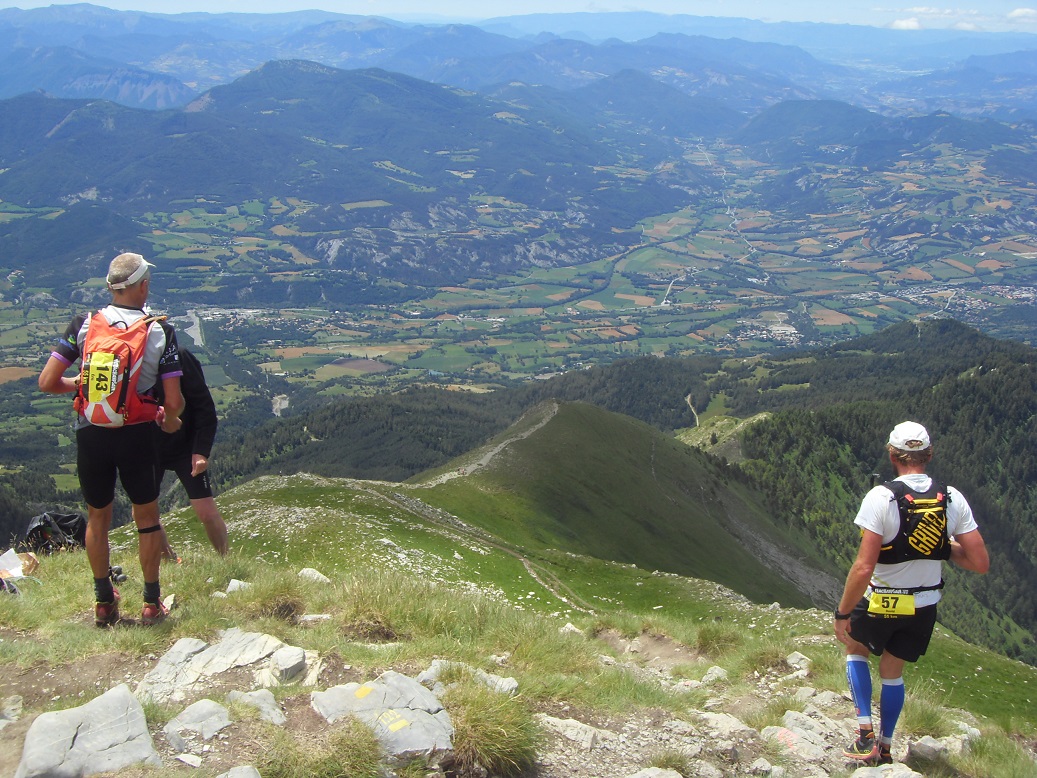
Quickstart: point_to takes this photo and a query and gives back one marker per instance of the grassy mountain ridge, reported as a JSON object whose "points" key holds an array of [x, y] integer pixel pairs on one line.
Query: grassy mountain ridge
{"points": [[606, 486]]}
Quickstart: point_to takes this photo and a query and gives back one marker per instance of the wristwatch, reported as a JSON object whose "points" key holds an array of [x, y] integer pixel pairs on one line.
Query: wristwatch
{"points": [[841, 616]]}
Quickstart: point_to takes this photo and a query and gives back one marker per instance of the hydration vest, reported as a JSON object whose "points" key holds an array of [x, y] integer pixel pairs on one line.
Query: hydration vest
{"points": [[923, 525], [112, 357]]}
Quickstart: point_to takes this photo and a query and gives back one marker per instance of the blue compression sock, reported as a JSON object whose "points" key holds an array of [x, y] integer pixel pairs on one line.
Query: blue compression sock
{"points": [[891, 702], [858, 675]]}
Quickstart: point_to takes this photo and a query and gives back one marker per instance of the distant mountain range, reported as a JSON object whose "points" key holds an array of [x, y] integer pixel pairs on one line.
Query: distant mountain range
{"points": [[161, 60], [396, 171]]}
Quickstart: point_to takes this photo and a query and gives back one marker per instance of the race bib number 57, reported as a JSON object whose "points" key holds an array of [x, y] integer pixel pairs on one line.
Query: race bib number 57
{"points": [[891, 604]]}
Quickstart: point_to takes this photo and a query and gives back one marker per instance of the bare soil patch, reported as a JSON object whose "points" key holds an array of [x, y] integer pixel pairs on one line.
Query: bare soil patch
{"points": [[15, 373]]}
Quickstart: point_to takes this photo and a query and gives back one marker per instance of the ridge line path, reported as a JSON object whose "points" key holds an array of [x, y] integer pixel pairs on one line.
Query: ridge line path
{"points": [[555, 586], [489, 456]]}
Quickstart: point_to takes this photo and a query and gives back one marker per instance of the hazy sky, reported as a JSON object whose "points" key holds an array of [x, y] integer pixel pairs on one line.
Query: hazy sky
{"points": [[989, 15]]}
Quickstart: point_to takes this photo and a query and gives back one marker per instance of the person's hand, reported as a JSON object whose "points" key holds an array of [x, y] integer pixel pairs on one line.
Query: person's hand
{"points": [[199, 464], [841, 628], [169, 424]]}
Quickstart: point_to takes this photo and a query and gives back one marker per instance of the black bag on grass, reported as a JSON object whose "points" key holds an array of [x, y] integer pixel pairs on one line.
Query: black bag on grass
{"points": [[50, 532]]}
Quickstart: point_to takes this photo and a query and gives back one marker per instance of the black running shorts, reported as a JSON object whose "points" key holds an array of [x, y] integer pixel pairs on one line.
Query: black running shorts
{"points": [[197, 487], [905, 637], [129, 452]]}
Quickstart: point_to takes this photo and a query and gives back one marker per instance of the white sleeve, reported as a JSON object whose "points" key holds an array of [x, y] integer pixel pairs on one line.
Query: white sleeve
{"points": [[959, 514], [873, 511]]}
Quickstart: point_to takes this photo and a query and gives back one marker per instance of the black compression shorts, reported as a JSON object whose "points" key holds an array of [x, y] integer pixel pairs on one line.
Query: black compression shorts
{"points": [[129, 452], [197, 486], [905, 637]]}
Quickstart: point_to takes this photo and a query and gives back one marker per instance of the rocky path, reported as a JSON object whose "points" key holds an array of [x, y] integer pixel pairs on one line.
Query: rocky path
{"points": [[209, 685]]}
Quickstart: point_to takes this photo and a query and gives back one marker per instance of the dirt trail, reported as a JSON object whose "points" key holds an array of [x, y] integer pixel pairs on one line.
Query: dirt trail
{"points": [[409, 502], [489, 455]]}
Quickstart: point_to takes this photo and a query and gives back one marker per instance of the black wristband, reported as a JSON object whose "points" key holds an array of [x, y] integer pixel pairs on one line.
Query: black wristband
{"points": [[841, 616]]}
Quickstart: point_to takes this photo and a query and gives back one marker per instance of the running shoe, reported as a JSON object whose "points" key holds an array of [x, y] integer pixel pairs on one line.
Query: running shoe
{"points": [[107, 613], [884, 757], [863, 749], [153, 613]]}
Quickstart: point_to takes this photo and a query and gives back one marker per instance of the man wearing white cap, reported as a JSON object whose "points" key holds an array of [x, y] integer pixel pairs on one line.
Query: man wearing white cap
{"points": [[888, 607], [116, 430]]}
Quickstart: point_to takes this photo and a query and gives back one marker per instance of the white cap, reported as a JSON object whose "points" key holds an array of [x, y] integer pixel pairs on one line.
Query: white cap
{"points": [[129, 269], [909, 436]]}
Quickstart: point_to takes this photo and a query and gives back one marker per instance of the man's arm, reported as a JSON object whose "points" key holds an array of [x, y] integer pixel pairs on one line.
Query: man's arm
{"points": [[200, 413], [172, 404], [969, 552], [857, 580], [52, 378], [859, 577]]}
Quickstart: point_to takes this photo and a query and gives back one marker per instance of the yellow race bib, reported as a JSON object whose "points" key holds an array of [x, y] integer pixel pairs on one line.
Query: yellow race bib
{"points": [[891, 602]]}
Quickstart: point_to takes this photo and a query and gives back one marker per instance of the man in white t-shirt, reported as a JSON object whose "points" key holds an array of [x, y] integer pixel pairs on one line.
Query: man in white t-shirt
{"points": [[888, 607]]}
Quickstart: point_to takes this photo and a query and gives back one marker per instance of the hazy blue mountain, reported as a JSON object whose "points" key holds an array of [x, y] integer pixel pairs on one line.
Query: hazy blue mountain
{"points": [[435, 55], [843, 43], [1007, 94], [330, 137], [747, 63], [348, 43], [827, 130], [63, 71], [65, 24], [788, 61], [1010, 63], [569, 64], [633, 97], [258, 26]]}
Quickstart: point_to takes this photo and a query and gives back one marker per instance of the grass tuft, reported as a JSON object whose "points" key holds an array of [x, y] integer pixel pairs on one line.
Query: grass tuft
{"points": [[717, 640], [924, 713], [349, 749], [996, 754], [672, 759], [495, 731], [765, 656], [773, 711], [369, 627]]}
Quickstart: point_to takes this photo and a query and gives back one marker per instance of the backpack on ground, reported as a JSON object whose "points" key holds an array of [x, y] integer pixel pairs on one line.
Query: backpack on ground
{"points": [[112, 357], [51, 531]]}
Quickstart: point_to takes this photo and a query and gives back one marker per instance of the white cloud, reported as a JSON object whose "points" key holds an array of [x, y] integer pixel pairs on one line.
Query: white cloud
{"points": [[906, 24], [1023, 15]]}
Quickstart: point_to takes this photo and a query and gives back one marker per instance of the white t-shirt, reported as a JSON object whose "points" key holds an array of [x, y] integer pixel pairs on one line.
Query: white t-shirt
{"points": [[880, 514]]}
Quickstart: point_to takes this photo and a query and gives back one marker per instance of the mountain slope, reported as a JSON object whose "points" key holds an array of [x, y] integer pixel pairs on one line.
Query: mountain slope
{"points": [[62, 71], [603, 485], [399, 588]]}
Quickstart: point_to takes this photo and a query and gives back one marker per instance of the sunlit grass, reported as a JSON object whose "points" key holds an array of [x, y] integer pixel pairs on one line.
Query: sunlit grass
{"points": [[379, 618]]}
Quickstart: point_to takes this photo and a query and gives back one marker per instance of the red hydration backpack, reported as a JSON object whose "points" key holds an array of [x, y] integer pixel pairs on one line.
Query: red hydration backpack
{"points": [[112, 357]]}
